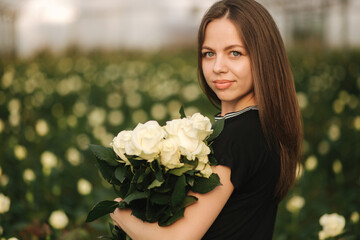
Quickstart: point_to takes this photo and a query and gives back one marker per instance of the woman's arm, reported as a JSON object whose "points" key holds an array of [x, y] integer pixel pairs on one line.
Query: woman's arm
{"points": [[197, 219]]}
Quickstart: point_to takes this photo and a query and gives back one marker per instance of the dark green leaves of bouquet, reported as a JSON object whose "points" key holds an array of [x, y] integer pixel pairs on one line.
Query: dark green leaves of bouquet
{"points": [[101, 209]]}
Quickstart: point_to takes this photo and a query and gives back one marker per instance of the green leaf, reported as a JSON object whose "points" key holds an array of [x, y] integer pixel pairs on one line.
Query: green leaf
{"points": [[135, 196], [182, 112], [160, 199], [106, 170], [189, 200], [212, 160], [182, 170], [104, 153], [101, 209], [159, 176], [204, 185], [122, 189], [190, 180], [155, 183], [179, 192], [177, 215], [120, 173], [217, 127], [153, 211]]}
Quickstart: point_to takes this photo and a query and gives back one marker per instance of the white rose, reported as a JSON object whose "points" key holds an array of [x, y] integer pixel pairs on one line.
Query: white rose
{"points": [[203, 155], [202, 124], [333, 225], [170, 154], [205, 169], [4, 203], [122, 145], [146, 139], [186, 136]]}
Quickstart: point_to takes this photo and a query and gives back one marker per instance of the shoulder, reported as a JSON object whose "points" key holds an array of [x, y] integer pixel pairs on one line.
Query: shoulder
{"points": [[242, 130]]}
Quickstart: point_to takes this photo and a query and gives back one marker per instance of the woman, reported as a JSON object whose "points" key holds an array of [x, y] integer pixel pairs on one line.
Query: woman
{"points": [[243, 68]]}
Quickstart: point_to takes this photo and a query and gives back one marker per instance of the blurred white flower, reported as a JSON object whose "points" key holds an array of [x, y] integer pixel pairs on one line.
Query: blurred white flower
{"points": [[173, 108], [112, 72], [323, 147], [337, 166], [114, 100], [14, 105], [4, 180], [83, 141], [73, 156], [334, 132], [14, 119], [48, 161], [29, 175], [13, 238], [333, 225], [191, 92], [41, 127], [139, 116], [295, 204], [355, 217], [116, 117], [79, 109], [158, 111], [84, 187], [133, 99], [302, 99], [64, 65], [71, 121], [96, 117], [311, 163], [4, 203], [20, 152], [58, 219], [8, 78], [357, 123], [338, 106], [2, 125]]}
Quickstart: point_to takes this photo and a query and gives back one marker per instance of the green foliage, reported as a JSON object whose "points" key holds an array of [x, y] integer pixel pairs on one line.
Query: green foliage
{"points": [[61, 104]]}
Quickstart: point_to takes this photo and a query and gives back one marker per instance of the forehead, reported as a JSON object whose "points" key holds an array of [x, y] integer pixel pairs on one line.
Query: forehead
{"points": [[222, 32]]}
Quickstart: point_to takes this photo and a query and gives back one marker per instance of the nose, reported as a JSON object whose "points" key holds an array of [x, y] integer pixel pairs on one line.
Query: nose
{"points": [[220, 65]]}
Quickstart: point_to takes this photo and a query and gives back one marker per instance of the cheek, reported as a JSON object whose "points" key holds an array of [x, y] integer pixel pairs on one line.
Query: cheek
{"points": [[207, 72]]}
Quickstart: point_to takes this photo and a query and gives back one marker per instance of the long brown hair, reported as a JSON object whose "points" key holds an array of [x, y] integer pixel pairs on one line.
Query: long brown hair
{"points": [[274, 86]]}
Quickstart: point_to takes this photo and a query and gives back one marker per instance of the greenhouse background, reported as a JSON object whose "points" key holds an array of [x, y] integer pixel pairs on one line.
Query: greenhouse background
{"points": [[75, 72]]}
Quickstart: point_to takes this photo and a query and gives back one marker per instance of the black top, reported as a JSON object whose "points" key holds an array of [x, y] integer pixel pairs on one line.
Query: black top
{"points": [[251, 210]]}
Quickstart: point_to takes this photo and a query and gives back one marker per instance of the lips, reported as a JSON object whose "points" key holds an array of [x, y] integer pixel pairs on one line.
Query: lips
{"points": [[223, 84]]}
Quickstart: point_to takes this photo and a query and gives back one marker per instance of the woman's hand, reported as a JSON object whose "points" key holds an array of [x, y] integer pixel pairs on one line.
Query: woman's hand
{"points": [[115, 215]]}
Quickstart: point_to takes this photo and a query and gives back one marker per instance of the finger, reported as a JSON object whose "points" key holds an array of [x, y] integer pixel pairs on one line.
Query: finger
{"points": [[118, 199]]}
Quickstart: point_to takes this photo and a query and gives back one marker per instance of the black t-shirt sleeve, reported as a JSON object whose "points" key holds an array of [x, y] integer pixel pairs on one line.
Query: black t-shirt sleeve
{"points": [[243, 149]]}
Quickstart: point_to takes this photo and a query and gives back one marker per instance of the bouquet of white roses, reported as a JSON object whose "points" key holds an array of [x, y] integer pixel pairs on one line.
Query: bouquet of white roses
{"points": [[153, 167]]}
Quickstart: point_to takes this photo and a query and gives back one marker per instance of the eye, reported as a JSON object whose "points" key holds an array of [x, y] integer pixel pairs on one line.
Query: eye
{"points": [[236, 53], [208, 54]]}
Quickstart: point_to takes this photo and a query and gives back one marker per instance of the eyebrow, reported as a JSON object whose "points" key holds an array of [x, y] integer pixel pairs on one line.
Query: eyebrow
{"points": [[226, 48]]}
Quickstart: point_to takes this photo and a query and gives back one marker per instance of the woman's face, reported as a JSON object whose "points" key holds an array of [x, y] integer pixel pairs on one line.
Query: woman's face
{"points": [[226, 65]]}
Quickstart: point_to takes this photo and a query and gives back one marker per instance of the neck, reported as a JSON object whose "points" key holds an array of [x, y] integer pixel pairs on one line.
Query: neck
{"points": [[234, 106]]}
